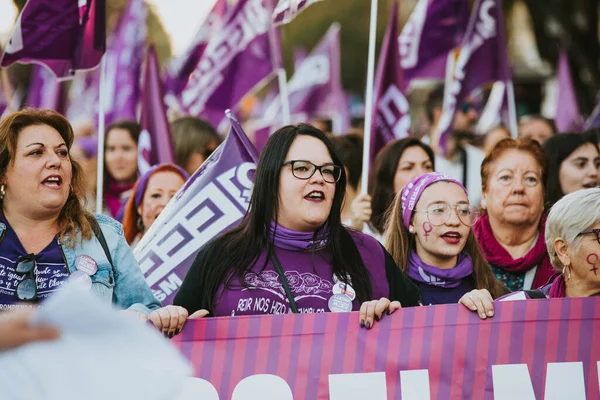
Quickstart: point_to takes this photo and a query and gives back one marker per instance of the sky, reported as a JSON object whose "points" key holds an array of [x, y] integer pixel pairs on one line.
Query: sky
{"points": [[181, 19]]}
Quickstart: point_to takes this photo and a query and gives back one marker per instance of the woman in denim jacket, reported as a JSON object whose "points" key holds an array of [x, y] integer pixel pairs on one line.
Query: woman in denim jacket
{"points": [[46, 236]]}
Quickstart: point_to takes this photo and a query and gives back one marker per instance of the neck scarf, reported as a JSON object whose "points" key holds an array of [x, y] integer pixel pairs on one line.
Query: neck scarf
{"points": [[114, 195], [557, 288], [434, 276], [497, 255], [288, 239]]}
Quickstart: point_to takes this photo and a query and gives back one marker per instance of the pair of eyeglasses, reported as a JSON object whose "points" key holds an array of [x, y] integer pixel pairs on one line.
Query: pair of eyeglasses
{"points": [[27, 288], [438, 214], [594, 231], [304, 170]]}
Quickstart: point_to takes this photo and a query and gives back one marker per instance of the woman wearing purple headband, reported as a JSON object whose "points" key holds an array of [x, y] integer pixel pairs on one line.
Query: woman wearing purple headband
{"points": [[151, 194], [429, 236]]}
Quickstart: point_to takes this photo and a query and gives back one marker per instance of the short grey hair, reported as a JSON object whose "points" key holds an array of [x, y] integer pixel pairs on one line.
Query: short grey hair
{"points": [[570, 215]]}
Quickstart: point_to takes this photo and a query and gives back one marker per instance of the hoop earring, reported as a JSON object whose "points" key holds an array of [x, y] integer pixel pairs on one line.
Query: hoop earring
{"points": [[567, 278], [140, 224], [2, 191]]}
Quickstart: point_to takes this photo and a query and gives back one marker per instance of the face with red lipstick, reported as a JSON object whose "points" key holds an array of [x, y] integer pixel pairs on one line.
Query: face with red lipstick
{"points": [[39, 178], [438, 244], [305, 204]]}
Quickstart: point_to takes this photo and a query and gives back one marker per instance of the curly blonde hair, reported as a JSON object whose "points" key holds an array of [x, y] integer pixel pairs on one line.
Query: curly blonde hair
{"points": [[73, 216]]}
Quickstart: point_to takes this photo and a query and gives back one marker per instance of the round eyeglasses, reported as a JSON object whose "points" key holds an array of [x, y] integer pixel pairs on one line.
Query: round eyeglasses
{"points": [[439, 213], [304, 170]]}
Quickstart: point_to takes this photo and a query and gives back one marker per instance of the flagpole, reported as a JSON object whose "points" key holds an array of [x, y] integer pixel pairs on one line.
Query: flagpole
{"points": [[100, 172], [6, 84], [284, 96], [369, 98], [512, 109]]}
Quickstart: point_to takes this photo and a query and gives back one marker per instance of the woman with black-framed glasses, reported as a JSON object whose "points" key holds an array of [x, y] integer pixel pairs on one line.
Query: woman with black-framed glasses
{"points": [[290, 253], [429, 235]]}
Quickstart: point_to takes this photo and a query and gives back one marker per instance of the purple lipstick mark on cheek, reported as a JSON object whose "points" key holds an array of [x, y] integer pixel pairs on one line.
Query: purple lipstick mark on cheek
{"points": [[592, 259], [427, 228]]}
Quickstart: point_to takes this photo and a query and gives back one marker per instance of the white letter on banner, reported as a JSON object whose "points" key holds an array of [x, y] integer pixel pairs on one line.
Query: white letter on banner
{"points": [[263, 387], [16, 41], [399, 121], [565, 381], [414, 385], [357, 386], [144, 144], [196, 388], [512, 382], [410, 37]]}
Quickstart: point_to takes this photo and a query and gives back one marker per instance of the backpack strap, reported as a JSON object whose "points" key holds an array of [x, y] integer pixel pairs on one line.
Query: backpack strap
{"points": [[100, 236]]}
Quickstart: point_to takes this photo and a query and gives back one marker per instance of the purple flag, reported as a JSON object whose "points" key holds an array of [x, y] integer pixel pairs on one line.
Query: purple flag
{"points": [[434, 28], [315, 89], [392, 117], [593, 120], [83, 96], [568, 117], [154, 143], [236, 59], [286, 10], [214, 199], [59, 34], [483, 59], [179, 70], [44, 90], [124, 56]]}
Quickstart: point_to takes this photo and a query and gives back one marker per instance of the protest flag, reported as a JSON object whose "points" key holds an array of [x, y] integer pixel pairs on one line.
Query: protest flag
{"points": [[433, 30], [214, 199], [483, 59], [237, 58], [44, 90], [391, 114], [593, 120], [567, 117], [287, 10], [154, 144], [62, 35]]}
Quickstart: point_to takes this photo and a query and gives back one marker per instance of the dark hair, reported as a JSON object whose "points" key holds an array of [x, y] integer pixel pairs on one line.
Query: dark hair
{"points": [[133, 128], [558, 148], [536, 117], [434, 100], [73, 215], [234, 253], [400, 243], [191, 135], [381, 180], [350, 149]]}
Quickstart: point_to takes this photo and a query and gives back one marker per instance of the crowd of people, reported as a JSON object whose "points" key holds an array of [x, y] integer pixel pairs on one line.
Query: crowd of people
{"points": [[491, 218]]}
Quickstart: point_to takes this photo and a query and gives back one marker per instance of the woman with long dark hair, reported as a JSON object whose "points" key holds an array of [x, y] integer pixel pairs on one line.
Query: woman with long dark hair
{"points": [[291, 253]]}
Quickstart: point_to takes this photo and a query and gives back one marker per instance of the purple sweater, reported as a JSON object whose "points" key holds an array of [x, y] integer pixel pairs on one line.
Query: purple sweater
{"points": [[310, 278]]}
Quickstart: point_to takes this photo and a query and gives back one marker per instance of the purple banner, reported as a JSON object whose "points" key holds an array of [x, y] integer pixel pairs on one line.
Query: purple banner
{"points": [[392, 114], [214, 199], [483, 59], [568, 117], [433, 30], [179, 70], [44, 90], [237, 58], [59, 34], [530, 349], [124, 56], [287, 10], [315, 90], [154, 144]]}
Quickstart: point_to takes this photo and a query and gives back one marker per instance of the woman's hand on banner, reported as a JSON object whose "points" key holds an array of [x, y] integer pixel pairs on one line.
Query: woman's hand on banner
{"points": [[479, 300], [372, 311], [169, 320], [16, 329]]}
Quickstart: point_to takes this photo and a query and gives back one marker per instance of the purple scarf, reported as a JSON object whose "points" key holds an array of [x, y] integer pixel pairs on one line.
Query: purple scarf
{"points": [[434, 276], [288, 239]]}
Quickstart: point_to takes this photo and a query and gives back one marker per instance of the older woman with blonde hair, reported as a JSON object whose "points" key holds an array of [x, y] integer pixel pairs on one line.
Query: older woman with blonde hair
{"points": [[511, 229], [47, 237]]}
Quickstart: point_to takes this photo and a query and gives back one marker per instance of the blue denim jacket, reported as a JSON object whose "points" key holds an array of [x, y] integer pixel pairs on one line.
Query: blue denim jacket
{"points": [[125, 286]]}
